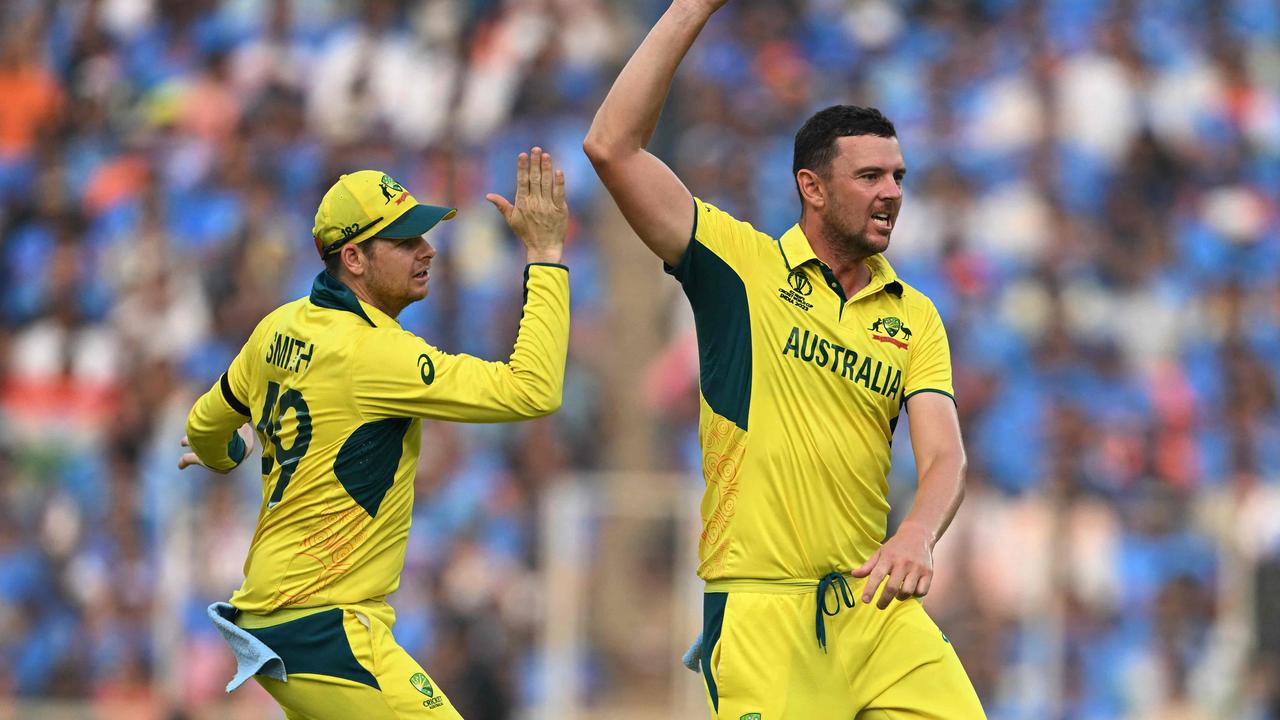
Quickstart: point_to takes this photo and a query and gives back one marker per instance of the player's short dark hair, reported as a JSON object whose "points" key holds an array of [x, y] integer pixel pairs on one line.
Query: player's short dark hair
{"points": [[816, 140]]}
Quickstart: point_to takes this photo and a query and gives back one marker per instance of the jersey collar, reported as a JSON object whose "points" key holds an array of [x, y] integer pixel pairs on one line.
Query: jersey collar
{"points": [[797, 251], [328, 291], [795, 247]]}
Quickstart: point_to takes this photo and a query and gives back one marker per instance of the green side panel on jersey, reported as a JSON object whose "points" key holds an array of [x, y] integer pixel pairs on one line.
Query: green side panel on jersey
{"points": [[317, 645], [723, 321], [366, 464], [713, 605]]}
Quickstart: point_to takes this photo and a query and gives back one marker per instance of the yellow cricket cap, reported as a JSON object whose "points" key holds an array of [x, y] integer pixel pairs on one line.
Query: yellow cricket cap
{"points": [[369, 203]]}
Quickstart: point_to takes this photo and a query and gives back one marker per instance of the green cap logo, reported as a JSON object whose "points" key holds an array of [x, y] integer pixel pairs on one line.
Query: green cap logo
{"points": [[422, 684], [389, 186]]}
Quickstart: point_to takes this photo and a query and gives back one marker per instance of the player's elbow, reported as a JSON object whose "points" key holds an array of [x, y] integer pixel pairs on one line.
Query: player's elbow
{"points": [[596, 149], [537, 398], [546, 403], [603, 152]]}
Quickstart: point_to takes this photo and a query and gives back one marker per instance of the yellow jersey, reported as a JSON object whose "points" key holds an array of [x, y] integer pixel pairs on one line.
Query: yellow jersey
{"points": [[336, 391], [801, 389]]}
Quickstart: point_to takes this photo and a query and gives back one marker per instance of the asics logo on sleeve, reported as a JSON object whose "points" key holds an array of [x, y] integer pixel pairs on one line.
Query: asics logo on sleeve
{"points": [[427, 369]]}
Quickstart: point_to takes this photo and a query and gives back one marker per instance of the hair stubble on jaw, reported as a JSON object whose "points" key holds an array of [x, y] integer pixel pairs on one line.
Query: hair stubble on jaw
{"points": [[815, 144]]}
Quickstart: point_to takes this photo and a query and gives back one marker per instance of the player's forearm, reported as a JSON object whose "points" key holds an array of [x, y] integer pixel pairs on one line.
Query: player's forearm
{"points": [[939, 492], [542, 345], [211, 431], [629, 114]]}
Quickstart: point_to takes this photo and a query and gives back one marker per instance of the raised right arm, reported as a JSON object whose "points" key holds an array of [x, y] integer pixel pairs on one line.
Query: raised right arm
{"points": [[653, 200]]}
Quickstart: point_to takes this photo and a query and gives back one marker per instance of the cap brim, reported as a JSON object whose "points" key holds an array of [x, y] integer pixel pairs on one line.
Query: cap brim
{"points": [[415, 221]]}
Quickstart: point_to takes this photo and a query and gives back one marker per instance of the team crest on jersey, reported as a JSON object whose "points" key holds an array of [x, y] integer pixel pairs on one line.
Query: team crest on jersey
{"points": [[892, 327], [750, 716], [422, 684]]}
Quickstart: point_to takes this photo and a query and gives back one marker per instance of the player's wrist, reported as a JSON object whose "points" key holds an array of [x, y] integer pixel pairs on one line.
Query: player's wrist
{"points": [[919, 530], [701, 9], [545, 255]]}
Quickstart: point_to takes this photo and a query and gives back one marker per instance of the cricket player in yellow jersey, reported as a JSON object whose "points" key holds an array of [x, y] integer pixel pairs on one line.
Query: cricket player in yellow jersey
{"points": [[336, 392], [809, 347]]}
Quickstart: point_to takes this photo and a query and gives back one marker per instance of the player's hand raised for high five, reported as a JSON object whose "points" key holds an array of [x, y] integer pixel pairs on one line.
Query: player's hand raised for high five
{"points": [[539, 216], [904, 564], [190, 458]]}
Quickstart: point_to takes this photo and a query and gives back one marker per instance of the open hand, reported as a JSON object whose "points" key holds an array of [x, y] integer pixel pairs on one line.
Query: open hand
{"points": [[905, 565], [539, 216], [188, 459]]}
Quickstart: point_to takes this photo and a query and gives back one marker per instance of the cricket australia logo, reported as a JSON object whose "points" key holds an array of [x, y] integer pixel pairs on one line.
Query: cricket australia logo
{"points": [[892, 327], [422, 684], [390, 187], [799, 287]]}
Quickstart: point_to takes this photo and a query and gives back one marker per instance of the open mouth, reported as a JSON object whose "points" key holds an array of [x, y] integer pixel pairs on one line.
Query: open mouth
{"points": [[882, 220], [421, 275]]}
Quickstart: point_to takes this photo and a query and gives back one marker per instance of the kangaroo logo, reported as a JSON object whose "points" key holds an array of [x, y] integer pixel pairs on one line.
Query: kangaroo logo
{"points": [[892, 327]]}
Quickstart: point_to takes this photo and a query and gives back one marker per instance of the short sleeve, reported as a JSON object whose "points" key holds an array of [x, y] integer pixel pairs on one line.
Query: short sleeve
{"points": [[719, 235], [930, 367]]}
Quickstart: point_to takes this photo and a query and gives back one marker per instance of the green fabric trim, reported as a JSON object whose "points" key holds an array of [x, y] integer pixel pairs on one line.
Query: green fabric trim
{"points": [[366, 464], [236, 449], [316, 645], [329, 292], [722, 317], [932, 390], [713, 605], [833, 284]]}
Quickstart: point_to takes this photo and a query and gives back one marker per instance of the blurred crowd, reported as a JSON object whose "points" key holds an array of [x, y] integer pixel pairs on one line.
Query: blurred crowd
{"points": [[1093, 202]]}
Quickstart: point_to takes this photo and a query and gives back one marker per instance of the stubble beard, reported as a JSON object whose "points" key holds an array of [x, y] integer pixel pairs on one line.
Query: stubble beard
{"points": [[393, 295], [848, 244]]}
